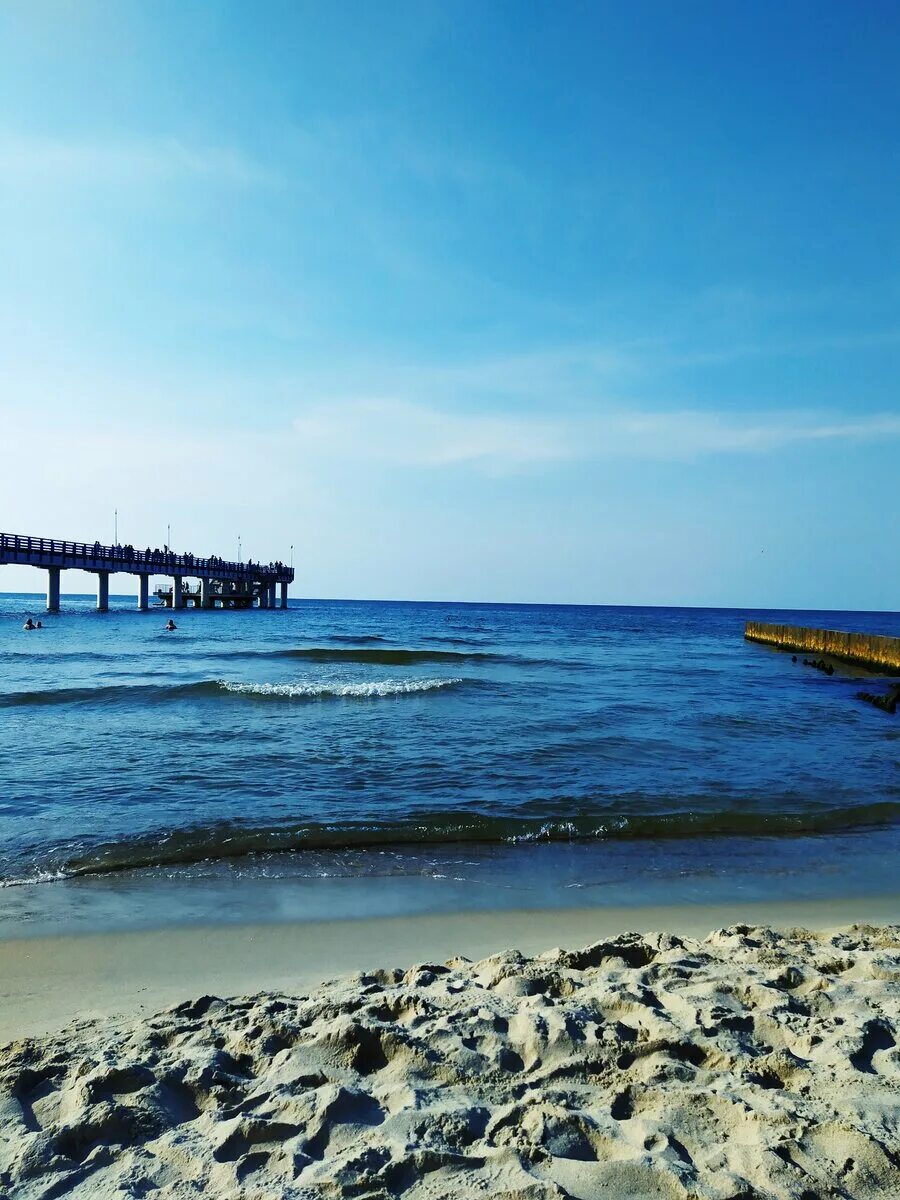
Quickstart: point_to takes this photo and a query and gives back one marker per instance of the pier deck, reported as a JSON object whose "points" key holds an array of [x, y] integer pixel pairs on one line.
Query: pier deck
{"points": [[219, 578]]}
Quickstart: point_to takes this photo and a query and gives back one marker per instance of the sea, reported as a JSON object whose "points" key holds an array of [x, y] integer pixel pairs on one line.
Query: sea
{"points": [[359, 758]]}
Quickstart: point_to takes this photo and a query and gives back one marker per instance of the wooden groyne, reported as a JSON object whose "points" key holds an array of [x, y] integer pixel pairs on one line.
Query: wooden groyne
{"points": [[873, 650]]}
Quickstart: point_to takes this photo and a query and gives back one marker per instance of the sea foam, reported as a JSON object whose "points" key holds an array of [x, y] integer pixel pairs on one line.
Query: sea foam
{"points": [[350, 691]]}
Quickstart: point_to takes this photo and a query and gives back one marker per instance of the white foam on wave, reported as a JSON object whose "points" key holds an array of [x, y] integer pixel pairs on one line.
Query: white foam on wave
{"points": [[37, 877], [317, 691], [550, 830]]}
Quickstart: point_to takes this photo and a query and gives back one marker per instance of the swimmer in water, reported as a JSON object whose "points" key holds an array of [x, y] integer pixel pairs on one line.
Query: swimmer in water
{"points": [[29, 624], [170, 625], [39, 625]]}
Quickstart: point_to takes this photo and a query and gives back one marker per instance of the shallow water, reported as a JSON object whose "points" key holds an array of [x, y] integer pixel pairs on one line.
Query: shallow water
{"points": [[463, 755]]}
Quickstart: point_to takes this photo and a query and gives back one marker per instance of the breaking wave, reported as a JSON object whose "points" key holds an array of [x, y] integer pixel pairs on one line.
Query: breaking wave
{"points": [[164, 693], [233, 840], [352, 691]]}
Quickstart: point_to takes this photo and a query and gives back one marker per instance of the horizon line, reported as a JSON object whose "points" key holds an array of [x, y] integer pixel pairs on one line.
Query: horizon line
{"points": [[495, 604]]}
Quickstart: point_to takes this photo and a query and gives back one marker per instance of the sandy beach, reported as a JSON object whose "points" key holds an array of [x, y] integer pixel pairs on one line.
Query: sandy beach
{"points": [[47, 982], [750, 1061], [449, 625]]}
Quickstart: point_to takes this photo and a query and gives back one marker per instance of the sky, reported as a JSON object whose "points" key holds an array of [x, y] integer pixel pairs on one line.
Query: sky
{"points": [[510, 301]]}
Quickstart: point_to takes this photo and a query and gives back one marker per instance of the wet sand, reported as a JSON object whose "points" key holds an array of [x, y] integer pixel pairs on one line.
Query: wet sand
{"points": [[46, 982]]}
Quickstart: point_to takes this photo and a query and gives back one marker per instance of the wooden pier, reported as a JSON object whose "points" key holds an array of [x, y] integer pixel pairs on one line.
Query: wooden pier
{"points": [[222, 584], [877, 651], [223, 596]]}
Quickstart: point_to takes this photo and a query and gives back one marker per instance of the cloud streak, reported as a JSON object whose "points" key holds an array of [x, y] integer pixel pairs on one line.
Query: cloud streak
{"points": [[39, 159], [405, 434]]}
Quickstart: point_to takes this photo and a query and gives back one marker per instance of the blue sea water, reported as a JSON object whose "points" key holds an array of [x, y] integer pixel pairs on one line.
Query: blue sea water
{"points": [[472, 755]]}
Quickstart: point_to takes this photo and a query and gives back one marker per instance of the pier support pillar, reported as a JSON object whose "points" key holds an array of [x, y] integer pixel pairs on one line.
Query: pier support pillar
{"points": [[264, 595], [284, 588], [103, 591], [143, 592], [206, 599], [272, 600], [177, 597], [53, 589]]}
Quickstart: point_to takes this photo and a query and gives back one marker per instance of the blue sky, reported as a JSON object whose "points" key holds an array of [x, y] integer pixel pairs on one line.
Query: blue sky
{"points": [[509, 301]]}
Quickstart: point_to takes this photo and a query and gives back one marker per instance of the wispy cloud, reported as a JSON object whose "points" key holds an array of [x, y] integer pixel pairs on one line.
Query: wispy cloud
{"points": [[406, 434], [403, 433], [797, 347], [528, 413], [38, 158]]}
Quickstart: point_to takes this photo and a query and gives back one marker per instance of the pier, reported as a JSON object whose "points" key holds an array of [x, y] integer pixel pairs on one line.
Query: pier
{"points": [[221, 583], [877, 651]]}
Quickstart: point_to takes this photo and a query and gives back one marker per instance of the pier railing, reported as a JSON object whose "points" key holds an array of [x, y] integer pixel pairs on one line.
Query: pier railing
{"points": [[92, 556]]}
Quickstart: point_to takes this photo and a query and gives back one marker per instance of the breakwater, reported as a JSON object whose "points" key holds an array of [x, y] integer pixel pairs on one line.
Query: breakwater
{"points": [[874, 650]]}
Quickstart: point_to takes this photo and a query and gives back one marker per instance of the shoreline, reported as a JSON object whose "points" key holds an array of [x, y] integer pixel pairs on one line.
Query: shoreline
{"points": [[48, 981]]}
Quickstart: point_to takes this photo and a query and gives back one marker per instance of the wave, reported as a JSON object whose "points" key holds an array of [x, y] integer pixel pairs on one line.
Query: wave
{"points": [[104, 694], [398, 656], [347, 691], [163, 693], [230, 840], [454, 641], [67, 656], [381, 656], [377, 655], [356, 639]]}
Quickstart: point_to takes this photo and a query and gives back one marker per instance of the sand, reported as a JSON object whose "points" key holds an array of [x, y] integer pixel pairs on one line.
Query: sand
{"points": [[749, 1063], [46, 982]]}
